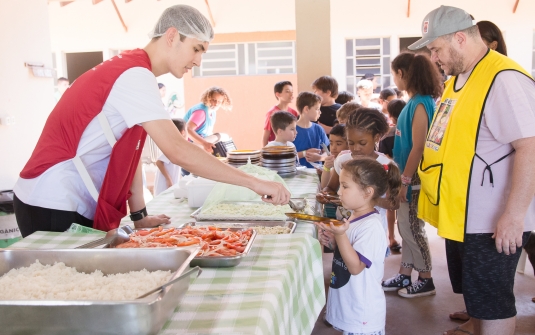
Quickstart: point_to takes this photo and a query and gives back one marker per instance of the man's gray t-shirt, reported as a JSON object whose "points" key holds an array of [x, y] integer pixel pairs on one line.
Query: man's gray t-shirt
{"points": [[509, 115]]}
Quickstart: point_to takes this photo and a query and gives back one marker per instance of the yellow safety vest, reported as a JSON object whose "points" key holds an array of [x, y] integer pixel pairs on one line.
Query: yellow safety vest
{"points": [[450, 147]]}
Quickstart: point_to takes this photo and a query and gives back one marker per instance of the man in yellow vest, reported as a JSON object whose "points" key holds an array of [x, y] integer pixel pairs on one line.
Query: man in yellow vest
{"points": [[478, 181]]}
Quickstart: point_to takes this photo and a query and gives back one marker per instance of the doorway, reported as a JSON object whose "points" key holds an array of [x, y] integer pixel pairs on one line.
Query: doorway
{"points": [[80, 62]]}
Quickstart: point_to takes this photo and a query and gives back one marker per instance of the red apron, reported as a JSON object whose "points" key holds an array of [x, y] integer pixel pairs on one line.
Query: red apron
{"points": [[79, 105]]}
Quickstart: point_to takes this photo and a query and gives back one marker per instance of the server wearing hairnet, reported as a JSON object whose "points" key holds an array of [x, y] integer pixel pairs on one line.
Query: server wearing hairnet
{"points": [[86, 164]]}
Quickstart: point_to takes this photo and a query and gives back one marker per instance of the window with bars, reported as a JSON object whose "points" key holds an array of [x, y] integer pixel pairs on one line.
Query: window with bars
{"points": [[368, 55], [247, 59]]}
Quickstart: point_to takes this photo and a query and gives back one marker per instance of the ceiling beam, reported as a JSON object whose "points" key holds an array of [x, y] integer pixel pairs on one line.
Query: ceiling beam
{"points": [[119, 14], [516, 5], [210, 13]]}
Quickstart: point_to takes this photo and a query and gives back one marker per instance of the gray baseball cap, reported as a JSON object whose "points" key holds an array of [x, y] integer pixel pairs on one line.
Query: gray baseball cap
{"points": [[442, 21]]}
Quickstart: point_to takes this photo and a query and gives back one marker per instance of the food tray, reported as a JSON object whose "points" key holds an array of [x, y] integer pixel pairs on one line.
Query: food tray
{"points": [[245, 225], [223, 261], [67, 317], [209, 261], [198, 216]]}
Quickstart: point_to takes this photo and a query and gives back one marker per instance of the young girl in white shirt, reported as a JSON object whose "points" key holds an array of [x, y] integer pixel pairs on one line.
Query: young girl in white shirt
{"points": [[356, 302]]}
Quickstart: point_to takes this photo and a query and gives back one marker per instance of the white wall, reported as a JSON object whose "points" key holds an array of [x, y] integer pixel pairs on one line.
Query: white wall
{"points": [[83, 27], [387, 18], [25, 38]]}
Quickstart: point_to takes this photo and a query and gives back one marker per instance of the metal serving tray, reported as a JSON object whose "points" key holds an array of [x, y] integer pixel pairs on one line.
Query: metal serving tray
{"points": [[223, 261], [245, 225], [67, 317], [202, 217], [209, 261]]}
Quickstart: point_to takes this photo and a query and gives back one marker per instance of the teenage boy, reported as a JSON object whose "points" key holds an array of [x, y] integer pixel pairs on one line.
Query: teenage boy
{"points": [[284, 125], [327, 88], [284, 93], [310, 136]]}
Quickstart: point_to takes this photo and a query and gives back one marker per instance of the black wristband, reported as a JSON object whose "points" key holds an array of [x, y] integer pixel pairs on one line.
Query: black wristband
{"points": [[136, 216]]}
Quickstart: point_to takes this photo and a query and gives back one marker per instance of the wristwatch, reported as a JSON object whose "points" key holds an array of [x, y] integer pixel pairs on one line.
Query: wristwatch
{"points": [[136, 216]]}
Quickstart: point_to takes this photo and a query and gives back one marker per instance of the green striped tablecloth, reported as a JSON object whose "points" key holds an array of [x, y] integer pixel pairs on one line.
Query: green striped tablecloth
{"points": [[303, 185], [277, 289]]}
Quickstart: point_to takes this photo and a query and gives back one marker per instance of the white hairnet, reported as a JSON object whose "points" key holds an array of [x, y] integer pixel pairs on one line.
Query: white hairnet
{"points": [[187, 20]]}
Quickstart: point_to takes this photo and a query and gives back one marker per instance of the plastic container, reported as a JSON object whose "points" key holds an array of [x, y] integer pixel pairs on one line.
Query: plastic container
{"points": [[180, 190], [198, 190]]}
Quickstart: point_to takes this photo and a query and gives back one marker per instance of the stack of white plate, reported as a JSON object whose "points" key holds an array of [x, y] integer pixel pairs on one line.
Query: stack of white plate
{"points": [[280, 159], [238, 158]]}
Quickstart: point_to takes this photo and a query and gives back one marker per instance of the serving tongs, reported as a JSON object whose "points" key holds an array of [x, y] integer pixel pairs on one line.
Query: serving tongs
{"points": [[298, 208], [185, 274], [113, 237]]}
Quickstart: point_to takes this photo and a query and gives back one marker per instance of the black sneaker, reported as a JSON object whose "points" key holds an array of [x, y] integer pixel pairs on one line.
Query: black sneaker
{"points": [[420, 288], [396, 282]]}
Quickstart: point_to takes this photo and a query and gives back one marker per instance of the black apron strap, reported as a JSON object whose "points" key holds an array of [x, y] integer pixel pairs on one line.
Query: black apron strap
{"points": [[488, 167]]}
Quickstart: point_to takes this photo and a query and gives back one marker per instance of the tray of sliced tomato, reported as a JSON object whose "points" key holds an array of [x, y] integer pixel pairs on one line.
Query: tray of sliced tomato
{"points": [[220, 247]]}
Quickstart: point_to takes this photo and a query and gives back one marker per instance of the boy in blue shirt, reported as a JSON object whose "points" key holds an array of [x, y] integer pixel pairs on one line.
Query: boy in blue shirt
{"points": [[310, 135]]}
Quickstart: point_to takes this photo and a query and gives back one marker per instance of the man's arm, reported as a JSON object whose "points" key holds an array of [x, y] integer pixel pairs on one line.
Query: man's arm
{"points": [[510, 225], [192, 158]]}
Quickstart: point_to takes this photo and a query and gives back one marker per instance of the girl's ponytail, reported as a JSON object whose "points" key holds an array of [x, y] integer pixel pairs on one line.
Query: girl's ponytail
{"points": [[394, 183]]}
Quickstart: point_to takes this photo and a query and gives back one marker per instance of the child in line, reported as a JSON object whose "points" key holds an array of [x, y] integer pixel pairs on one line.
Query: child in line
{"points": [[284, 125], [394, 108], [167, 174], [385, 97], [364, 128], [356, 303], [338, 140], [344, 97], [284, 93], [420, 78], [386, 145], [310, 136], [327, 88], [342, 115]]}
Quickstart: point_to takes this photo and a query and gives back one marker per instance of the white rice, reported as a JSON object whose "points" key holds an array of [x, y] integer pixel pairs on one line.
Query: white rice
{"points": [[60, 282], [263, 210]]}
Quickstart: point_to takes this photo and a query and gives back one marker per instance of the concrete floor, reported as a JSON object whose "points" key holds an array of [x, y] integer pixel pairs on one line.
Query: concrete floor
{"points": [[429, 315]]}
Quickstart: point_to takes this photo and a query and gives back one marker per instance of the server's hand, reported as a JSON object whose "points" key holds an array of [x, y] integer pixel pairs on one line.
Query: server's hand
{"points": [[272, 192], [152, 221]]}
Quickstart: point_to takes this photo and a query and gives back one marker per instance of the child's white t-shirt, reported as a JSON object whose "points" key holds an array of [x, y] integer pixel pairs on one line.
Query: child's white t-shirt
{"points": [[280, 144], [381, 158], [356, 303], [173, 170]]}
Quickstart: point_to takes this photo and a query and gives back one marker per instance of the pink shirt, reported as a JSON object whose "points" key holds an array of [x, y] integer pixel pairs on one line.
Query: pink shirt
{"points": [[509, 115], [267, 125], [198, 117]]}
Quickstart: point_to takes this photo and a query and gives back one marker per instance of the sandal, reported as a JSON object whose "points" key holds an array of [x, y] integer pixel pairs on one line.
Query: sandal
{"points": [[395, 247], [462, 315], [458, 331]]}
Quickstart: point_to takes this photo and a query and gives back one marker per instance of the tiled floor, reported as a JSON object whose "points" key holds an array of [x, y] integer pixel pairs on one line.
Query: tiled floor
{"points": [[429, 315]]}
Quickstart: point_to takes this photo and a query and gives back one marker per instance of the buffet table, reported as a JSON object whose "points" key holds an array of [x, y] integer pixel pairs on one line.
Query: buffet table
{"points": [[277, 289]]}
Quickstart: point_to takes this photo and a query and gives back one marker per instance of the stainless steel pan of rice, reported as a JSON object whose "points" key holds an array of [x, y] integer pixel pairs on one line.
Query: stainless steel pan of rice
{"points": [[99, 312]]}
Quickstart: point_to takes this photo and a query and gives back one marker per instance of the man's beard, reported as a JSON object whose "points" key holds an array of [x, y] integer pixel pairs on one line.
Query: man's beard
{"points": [[455, 66]]}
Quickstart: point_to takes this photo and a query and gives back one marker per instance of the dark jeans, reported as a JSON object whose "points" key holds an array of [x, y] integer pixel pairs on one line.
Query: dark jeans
{"points": [[32, 218]]}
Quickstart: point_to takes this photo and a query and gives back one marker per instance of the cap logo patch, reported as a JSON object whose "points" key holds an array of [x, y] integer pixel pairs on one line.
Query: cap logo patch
{"points": [[426, 26]]}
